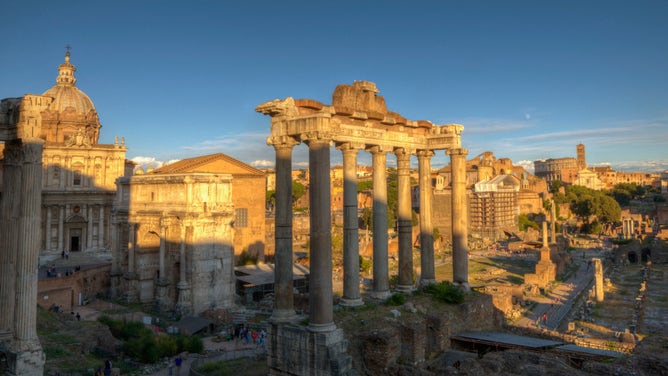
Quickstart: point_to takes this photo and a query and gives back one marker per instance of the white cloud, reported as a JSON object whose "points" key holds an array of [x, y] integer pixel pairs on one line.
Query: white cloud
{"points": [[262, 163]]}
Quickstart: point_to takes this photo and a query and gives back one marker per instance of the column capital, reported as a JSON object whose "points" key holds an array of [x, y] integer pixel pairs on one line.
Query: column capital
{"points": [[350, 147], [316, 137], [424, 153], [457, 151], [279, 142], [13, 153], [402, 152], [376, 149], [32, 150]]}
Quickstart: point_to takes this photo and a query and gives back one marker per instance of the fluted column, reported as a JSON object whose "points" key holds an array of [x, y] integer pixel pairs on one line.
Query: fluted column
{"points": [[183, 305], [381, 280], [460, 261], [351, 265], [321, 316], [283, 281], [47, 229], [100, 230], [61, 223], [9, 231], [132, 228], [405, 225], [25, 311], [161, 257], [89, 238], [427, 274]]}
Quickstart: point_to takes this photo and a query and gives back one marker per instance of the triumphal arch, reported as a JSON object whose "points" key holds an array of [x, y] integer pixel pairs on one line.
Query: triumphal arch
{"points": [[357, 120]]}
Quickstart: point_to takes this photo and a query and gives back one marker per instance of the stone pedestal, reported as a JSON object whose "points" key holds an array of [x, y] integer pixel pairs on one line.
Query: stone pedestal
{"points": [[26, 358], [295, 350]]}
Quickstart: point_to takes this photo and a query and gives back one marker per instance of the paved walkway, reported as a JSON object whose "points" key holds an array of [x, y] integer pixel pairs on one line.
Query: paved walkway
{"points": [[559, 302], [225, 350]]}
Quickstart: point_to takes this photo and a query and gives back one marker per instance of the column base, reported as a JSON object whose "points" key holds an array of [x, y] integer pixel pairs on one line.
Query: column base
{"points": [[25, 358], [351, 302], [406, 289], [321, 328], [463, 286], [427, 282], [380, 295], [283, 316]]}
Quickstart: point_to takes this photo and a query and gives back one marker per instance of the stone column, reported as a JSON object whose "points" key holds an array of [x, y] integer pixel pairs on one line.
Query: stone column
{"points": [[183, 306], [598, 279], [381, 280], [25, 310], [283, 280], [161, 257], [351, 265], [9, 231], [427, 274], [61, 223], [90, 229], [100, 230], [553, 223], [116, 253], [545, 242], [321, 316], [405, 226], [47, 229], [460, 261], [131, 247]]}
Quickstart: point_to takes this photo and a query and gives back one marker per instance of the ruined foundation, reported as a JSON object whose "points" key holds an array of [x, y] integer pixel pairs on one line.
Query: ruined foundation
{"points": [[295, 350]]}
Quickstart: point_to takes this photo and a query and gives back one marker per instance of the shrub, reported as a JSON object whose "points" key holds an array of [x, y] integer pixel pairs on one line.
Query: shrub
{"points": [[445, 291], [396, 299]]}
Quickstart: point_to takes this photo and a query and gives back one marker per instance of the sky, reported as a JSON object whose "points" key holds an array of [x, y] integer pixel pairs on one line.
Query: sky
{"points": [[528, 80]]}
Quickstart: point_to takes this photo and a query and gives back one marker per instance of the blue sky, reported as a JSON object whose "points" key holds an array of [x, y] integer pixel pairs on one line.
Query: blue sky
{"points": [[527, 79]]}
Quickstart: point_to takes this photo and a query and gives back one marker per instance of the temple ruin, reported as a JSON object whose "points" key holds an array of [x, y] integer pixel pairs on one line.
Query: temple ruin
{"points": [[357, 120]]}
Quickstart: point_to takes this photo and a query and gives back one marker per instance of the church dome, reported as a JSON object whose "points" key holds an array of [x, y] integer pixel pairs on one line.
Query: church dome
{"points": [[71, 111]]}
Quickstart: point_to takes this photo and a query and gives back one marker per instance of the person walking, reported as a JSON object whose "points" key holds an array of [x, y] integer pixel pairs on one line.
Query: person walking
{"points": [[178, 361]]}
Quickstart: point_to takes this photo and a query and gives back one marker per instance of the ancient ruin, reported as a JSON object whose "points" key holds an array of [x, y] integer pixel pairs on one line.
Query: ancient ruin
{"points": [[20, 128], [357, 119]]}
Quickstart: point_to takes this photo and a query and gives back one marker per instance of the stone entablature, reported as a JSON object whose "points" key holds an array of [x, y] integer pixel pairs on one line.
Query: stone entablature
{"points": [[365, 122]]}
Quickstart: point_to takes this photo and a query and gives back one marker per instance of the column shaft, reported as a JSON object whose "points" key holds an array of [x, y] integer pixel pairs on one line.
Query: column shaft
{"points": [[381, 281], [61, 223], [131, 247], [89, 240], [460, 261], [351, 265], [553, 223], [283, 279], [100, 231], [426, 228], [161, 257], [405, 225], [321, 317], [9, 231], [25, 313], [47, 229]]}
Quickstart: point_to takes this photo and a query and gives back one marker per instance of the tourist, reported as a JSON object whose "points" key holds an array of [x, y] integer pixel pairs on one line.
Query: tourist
{"points": [[178, 362], [67, 254], [78, 316], [544, 319]]}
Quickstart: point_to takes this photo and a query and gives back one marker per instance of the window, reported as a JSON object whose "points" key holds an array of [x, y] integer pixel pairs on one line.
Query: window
{"points": [[242, 218], [76, 179]]}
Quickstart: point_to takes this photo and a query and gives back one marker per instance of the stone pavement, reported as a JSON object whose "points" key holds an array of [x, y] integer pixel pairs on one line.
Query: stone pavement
{"points": [[559, 302], [226, 350]]}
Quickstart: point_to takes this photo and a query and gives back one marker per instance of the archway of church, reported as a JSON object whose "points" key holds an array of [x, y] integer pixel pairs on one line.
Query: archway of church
{"points": [[75, 228]]}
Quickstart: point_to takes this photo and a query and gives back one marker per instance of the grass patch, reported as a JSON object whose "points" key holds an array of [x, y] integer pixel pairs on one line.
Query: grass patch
{"points": [[241, 366], [445, 292]]}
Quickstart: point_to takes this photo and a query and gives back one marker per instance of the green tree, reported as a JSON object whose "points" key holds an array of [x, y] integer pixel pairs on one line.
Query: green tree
{"points": [[524, 223], [298, 190], [555, 185]]}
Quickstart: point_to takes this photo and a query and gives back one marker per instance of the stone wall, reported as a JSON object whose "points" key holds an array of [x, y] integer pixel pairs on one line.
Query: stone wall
{"points": [[64, 291], [414, 337]]}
